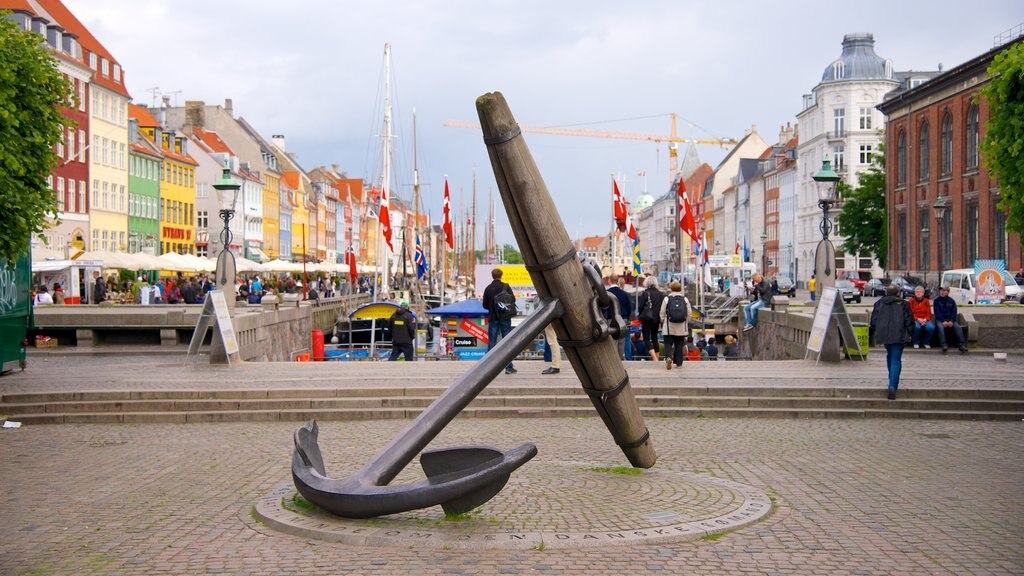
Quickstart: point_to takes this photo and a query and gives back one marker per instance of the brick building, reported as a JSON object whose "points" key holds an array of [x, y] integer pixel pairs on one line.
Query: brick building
{"points": [[932, 148]]}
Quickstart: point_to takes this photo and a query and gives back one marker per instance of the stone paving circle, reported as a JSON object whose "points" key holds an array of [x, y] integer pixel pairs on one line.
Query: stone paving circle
{"points": [[553, 505]]}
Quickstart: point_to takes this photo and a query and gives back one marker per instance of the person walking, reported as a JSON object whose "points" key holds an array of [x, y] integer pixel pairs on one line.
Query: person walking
{"points": [[946, 317], [675, 310], [761, 296], [99, 288], [403, 332], [892, 322], [617, 290], [648, 307], [811, 285], [500, 303], [921, 308], [552, 353]]}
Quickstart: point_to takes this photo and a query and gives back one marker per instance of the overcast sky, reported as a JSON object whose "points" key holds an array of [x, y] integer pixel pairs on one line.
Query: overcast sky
{"points": [[312, 70]]}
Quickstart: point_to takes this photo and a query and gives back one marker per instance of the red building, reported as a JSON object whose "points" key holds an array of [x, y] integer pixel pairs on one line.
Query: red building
{"points": [[933, 162], [70, 177]]}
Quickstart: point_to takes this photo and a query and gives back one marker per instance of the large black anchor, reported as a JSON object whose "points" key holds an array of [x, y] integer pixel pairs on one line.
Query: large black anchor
{"points": [[572, 296]]}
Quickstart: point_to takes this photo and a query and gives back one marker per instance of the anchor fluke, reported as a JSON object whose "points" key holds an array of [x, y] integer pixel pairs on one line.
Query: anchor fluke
{"points": [[437, 464]]}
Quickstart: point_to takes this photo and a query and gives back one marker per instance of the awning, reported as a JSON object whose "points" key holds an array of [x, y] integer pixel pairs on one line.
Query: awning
{"points": [[256, 254]]}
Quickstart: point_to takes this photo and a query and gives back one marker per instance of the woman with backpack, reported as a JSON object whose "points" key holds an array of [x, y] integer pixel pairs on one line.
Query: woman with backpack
{"points": [[647, 310], [675, 311]]}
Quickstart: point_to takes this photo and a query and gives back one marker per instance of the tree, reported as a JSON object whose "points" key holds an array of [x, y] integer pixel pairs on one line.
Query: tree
{"points": [[1003, 146], [863, 219], [511, 254], [31, 125]]}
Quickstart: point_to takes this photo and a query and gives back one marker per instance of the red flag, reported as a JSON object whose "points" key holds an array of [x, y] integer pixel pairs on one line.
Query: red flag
{"points": [[350, 259], [686, 221], [384, 216], [449, 235], [622, 219]]}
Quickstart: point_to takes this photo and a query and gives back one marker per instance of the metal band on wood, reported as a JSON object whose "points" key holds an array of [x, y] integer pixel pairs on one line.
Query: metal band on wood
{"points": [[635, 443], [504, 137], [554, 263], [577, 343]]}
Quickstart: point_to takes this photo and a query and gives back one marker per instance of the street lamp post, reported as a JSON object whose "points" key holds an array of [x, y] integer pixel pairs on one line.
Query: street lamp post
{"points": [[824, 258], [940, 213], [764, 253], [227, 194], [718, 247]]}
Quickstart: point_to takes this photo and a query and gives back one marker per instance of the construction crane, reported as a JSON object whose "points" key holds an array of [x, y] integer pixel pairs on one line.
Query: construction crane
{"points": [[672, 138]]}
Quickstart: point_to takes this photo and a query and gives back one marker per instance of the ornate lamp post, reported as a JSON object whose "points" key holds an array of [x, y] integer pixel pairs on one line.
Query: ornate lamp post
{"points": [[825, 255], [764, 253], [227, 195], [718, 247], [940, 213]]}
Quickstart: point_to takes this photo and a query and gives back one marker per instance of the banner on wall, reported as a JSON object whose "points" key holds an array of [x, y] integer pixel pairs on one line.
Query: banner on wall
{"points": [[989, 287]]}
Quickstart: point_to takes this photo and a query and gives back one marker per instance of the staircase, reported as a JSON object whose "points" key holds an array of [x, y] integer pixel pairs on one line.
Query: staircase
{"points": [[557, 399]]}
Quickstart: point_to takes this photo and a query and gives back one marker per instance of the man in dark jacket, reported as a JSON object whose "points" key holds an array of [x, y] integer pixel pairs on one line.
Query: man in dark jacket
{"points": [[625, 308], [760, 297], [403, 332], [944, 310], [893, 324], [99, 289], [497, 327]]}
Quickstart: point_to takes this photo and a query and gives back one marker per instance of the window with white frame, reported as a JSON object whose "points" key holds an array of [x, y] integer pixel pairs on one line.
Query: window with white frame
{"points": [[81, 96], [82, 193], [106, 195], [95, 239], [72, 196], [70, 135], [839, 157], [839, 122], [60, 193], [104, 66], [92, 64], [946, 147], [122, 197], [60, 148], [81, 145], [202, 219], [865, 118], [106, 240], [117, 73], [95, 187], [121, 157], [103, 152], [865, 153]]}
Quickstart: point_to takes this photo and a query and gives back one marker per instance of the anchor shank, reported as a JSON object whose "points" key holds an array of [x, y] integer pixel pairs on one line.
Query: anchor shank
{"points": [[397, 455]]}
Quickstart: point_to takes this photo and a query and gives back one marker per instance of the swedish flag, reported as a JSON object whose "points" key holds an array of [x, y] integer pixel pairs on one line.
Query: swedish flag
{"points": [[636, 255]]}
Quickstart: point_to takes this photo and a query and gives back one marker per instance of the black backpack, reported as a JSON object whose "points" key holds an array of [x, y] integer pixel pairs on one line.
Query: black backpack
{"points": [[505, 304], [649, 307], [676, 311]]}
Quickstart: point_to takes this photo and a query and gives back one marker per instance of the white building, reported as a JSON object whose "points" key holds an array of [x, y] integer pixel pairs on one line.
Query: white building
{"points": [[839, 121]]}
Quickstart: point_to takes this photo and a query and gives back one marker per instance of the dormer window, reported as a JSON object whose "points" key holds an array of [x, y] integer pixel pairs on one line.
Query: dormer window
{"points": [[117, 73], [105, 67], [92, 60], [838, 70]]}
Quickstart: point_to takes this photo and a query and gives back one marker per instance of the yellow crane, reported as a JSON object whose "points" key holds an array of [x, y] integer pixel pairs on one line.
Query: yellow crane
{"points": [[672, 138]]}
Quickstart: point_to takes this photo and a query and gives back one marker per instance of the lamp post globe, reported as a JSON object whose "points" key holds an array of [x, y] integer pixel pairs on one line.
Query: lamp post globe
{"points": [[826, 180], [227, 194]]}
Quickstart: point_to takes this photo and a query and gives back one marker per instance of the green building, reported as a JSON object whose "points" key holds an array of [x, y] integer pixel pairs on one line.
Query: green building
{"points": [[144, 165]]}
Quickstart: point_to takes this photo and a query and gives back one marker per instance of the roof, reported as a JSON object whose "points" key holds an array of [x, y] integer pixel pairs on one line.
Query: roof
{"points": [[859, 61], [748, 168], [143, 149], [211, 141], [142, 115], [470, 308], [290, 178], [69, 22]]}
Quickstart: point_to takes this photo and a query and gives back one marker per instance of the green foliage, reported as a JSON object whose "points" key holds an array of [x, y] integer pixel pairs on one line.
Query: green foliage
{"points": [[1003, 145], [512, 256], [31, 90], [627, 470], [863, 219]]}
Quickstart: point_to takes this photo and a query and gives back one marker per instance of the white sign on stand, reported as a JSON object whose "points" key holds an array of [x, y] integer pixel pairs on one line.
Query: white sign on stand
{"points": [[215, 309], [832, 305]]}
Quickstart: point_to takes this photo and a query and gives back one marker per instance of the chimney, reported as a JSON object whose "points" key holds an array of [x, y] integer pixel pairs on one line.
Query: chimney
{"points": [[229, 107], [195, 114], [334, 168], [165, 104], [278, 140]]}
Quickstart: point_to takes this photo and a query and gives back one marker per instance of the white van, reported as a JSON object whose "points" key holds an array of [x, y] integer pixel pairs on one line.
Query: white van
{"points": [[962, 283]]}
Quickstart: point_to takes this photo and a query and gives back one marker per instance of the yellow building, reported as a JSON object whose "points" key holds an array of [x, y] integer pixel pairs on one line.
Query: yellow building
{"points": [[108, 163], [300, 215], [177, 185], [271, 215]]}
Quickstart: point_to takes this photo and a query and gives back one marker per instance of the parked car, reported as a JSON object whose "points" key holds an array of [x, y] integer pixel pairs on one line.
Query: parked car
{"points": [[962, 286], [848, 291], [876, 286], [858, 277], [786, 286], [906, 284]]}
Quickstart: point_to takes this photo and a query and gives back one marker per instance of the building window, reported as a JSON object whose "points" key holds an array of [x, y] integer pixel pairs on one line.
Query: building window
{"points": [[81, 145], [71, 143], [104, 66], [923, 151], [95, 187], [947, 145], [839, 122], [82, 193], [839, 157], [122, 196], [81, 96], [106, 240], [999, 239], [901, 159], [901, 239], [117, 73], [72, 196], [972, 137], [103, 152], [972, 233], [865, 153], [202, 219], [121, 157], [922, 219], [106, 192], [838, 70], [865, 118], [92, 64], [60, 193], [947, 238], [95, 239]]}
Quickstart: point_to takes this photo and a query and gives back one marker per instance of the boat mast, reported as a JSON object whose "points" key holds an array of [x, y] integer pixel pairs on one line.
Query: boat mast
{"points": [[386, 177]]}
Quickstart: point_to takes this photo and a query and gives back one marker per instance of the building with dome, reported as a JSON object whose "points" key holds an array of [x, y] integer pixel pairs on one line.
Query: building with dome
{"points": [[839, 121]]}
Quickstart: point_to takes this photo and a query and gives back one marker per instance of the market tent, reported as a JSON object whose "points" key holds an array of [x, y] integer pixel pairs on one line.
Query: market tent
{"points": [[199, 264], [57, 265], [246, 265], [174, 262], [471, 308], [282, 266]]}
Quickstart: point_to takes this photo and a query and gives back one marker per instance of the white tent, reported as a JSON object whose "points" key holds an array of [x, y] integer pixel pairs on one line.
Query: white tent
{"points": [[282, 266]]}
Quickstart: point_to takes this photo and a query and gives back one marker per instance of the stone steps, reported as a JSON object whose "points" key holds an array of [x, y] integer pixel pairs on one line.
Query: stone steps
{"points": [[364, 403]]}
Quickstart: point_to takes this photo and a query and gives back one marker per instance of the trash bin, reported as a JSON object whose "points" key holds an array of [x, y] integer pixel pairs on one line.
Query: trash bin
{"points": [[861, 331]]}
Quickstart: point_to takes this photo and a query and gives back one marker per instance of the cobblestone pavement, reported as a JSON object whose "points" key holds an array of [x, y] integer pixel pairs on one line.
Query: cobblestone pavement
{"points": [[851, 497], [81, 372]]}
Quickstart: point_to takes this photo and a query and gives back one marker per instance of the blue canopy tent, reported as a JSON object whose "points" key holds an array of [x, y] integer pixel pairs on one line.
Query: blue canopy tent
{"points": [[471, 308], [463, 327]]}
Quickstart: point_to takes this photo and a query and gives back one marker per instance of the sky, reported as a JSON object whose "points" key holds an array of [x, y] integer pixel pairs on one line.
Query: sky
{"points": [[312, 70]]}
